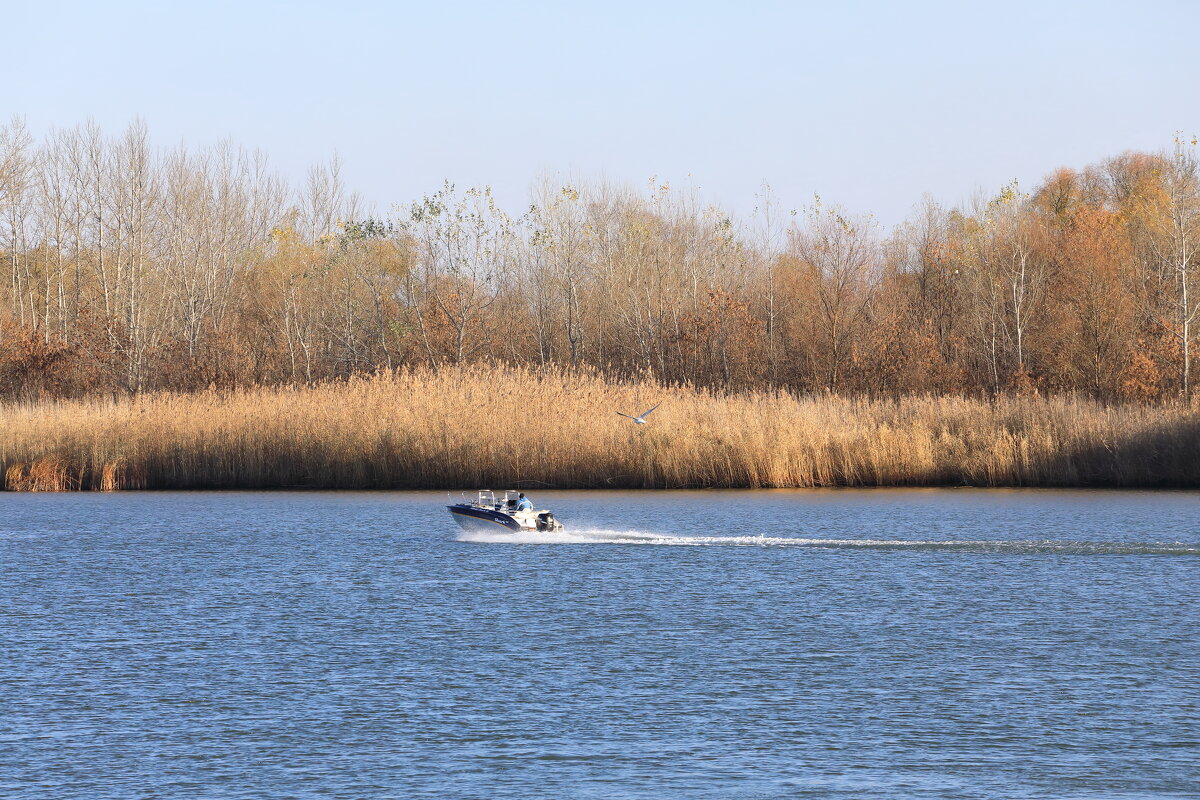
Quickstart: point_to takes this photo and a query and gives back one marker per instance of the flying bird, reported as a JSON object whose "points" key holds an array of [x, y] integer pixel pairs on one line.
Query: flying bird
{"points": [[640, 419]]}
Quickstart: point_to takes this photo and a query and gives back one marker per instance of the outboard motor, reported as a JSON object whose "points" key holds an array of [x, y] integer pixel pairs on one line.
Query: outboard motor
{"points": [[547, 522]]}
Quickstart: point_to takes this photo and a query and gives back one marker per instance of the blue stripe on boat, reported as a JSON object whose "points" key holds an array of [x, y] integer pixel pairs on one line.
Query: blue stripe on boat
{"points": [[486, 515]]}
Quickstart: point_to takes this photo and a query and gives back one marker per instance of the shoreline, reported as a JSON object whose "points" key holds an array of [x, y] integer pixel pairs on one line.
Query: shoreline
{"points": [[515, 427], [304, 490]]}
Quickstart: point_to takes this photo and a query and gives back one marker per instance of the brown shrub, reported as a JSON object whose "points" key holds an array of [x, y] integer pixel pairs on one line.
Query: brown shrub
{"points": [[503, 426]]}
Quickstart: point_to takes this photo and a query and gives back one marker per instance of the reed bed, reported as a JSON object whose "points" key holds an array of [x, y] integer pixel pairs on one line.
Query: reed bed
{"points": [[508, 426]]}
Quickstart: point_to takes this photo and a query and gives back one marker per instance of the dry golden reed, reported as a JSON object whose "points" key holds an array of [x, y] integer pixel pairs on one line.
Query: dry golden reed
{"points": [[508, 426]]}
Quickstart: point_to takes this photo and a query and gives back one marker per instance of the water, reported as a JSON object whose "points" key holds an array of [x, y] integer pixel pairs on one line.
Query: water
{"points": [[842, 644]]}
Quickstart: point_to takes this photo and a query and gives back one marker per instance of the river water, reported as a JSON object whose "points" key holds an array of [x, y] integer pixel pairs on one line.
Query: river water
{"points": [[825, 644]]}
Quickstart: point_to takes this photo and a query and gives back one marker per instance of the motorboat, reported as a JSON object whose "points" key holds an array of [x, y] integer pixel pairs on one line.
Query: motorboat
{"points": [[489, 512]]}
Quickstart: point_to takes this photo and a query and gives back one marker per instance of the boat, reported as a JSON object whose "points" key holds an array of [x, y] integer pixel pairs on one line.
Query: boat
{"points": [[491, 513]]}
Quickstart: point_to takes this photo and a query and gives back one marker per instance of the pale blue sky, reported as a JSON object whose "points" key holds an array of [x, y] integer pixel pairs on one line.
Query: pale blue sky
{"points": [[869, 104]]}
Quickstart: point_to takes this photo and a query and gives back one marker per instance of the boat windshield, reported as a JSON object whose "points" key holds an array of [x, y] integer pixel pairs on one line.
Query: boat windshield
{"points": [[488, 499]]}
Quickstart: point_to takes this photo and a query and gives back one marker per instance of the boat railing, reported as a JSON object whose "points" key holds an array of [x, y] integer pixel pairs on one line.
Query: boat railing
{"points": [[487, 499]]}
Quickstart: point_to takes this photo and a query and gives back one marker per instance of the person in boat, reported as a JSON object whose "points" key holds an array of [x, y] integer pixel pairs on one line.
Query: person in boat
{"points": [[523, 503]]}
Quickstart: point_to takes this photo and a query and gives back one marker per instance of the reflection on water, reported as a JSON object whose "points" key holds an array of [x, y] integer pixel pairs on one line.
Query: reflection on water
{"points": [[933, 643]]}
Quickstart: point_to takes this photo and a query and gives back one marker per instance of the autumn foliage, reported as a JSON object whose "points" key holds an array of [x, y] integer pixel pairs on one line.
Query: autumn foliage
{"points": [[130, 269]]}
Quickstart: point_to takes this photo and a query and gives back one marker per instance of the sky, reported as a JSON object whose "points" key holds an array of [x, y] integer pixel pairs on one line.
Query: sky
{"points": [[871, 105]]}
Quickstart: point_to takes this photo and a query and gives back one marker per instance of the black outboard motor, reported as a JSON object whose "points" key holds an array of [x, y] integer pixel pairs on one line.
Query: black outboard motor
{"points": [[547, 522]]}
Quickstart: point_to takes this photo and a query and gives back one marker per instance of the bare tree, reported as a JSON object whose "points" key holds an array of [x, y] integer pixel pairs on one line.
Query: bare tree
{"points": [[464, 249], [772, 233], [840, 255], [16, 183], [1176, 242], [559, 265]]}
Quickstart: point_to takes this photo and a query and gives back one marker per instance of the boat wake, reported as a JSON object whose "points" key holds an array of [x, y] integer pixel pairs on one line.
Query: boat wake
{"points": [[633, 537]]}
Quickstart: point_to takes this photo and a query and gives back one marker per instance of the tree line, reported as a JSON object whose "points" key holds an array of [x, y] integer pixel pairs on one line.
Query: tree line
{"points": [[132, 268]]}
